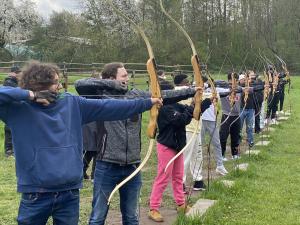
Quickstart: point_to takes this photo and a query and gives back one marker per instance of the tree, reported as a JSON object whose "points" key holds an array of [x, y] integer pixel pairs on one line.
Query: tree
{"points": [[16, 21], [114, 35], [65, 38], [219, 28]]}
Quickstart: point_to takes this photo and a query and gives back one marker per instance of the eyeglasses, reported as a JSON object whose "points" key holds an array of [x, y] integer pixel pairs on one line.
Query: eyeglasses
{"points": [[59, 82]]}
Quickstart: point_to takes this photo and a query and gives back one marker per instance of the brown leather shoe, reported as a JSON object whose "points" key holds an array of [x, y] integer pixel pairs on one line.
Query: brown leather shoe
{"points": [[155, 215], [183, 208]]}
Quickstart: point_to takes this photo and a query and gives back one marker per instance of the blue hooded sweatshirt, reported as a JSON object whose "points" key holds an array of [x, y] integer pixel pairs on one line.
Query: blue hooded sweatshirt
{"points": [[48, 139]]}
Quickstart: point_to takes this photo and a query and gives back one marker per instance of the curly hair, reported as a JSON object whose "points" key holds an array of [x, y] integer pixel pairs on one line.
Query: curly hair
{"points": [[38, 76], [111, 70]]}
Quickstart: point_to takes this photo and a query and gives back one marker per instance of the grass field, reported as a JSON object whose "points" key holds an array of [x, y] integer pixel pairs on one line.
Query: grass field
{"points": [[268, 193]]}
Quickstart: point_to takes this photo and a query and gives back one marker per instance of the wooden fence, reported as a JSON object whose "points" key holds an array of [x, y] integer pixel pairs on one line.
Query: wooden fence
{"points": [[137, 71]]}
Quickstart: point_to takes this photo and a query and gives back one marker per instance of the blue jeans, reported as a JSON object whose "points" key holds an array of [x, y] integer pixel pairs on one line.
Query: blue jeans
{"points": [[248, 115], [36, 208], [107, 176]]}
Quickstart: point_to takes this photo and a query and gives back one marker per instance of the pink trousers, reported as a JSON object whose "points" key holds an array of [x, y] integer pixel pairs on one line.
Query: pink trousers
{"points": [[174, 173]]}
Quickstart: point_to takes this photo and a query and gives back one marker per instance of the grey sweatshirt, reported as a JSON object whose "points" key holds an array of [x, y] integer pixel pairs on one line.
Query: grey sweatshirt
{"points": [[226, 108], [225, 103], [121, 140]]}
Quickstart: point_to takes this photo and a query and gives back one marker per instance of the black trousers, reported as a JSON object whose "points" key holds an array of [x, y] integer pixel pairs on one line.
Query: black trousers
{"points": [[232, 126], [88, 156], [281, 100], [273, 101], [8, 147], [257, 112]]}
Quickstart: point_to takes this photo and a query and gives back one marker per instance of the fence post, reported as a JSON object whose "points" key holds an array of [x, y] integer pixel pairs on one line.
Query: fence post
{"points": [[132, 83], [94, 72], [65, 75]]}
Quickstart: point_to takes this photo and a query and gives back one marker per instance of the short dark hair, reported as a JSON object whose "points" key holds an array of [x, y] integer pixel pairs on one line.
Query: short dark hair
{"points": [[15, 69], [160, 72], [166, 85], [270, 67], [179, 78], [38, 76], [235, 75], [111, 70], [204, 79]]}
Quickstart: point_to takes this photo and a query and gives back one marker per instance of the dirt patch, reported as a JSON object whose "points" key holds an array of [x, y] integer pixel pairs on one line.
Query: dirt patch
{"points": [[114, 217]]}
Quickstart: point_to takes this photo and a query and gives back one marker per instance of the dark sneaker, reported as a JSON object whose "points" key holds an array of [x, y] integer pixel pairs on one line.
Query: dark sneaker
{"points": [[251, 144], [85, 176], [9, 153], [199, 186]]}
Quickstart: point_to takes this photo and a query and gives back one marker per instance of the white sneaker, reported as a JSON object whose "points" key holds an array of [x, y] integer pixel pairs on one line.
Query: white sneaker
{"points": [[224, 159], [266, 121], [221, 170], [235, 157], [274, 122]]}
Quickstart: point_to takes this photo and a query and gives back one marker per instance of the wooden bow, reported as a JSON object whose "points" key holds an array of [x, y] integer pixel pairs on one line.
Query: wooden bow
{"points": [[275, 80], [286, 71], [232, 96], [214, 94], [266, 88], [197, 79], [288, 78], [155, 93], [246, 95], [247, 85]]}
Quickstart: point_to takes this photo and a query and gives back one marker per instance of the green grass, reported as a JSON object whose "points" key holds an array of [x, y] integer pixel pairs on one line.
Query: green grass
{"points": [[268, 193], [2, 77]]}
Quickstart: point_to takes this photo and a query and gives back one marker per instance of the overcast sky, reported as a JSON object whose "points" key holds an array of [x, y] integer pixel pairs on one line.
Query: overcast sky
{"points": [[45, 7]]}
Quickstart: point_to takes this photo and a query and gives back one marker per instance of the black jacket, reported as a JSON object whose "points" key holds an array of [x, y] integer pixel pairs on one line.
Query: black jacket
{"points": [[10, 81], [258, 96], [250, 104], [171, 122], [90, 133], [281, 84]]}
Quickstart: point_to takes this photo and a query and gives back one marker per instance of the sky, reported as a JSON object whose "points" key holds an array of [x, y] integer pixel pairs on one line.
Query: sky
{"points": [[45, 7]]}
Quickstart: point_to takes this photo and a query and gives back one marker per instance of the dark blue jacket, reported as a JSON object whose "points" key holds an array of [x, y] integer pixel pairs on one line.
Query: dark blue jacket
{"points": [[48, 139]]}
